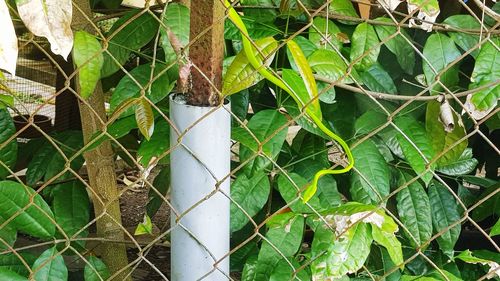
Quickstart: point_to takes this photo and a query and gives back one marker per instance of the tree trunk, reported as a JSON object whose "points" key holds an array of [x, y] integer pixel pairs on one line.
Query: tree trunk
{"points": [[101, 169]]}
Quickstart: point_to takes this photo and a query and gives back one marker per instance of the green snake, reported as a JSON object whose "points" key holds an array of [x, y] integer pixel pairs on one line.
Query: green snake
{"points": [[248, 50]]}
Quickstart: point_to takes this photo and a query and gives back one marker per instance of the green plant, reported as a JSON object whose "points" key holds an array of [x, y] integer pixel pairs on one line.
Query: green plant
{"points": [[417, 179]]}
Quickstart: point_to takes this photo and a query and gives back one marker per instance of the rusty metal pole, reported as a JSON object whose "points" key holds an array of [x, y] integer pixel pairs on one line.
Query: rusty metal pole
{"points": [[207, 51], [200, 158]]}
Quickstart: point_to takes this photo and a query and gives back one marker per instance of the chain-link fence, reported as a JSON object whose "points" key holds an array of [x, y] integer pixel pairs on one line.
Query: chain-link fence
{"points": [[410, 86]]}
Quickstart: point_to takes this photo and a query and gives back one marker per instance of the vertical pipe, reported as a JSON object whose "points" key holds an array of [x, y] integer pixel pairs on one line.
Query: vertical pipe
{"points": [[199, 161]]}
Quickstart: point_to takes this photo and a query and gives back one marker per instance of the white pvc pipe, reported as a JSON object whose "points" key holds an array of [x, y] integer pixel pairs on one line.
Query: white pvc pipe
{"points": [[201, 237]]}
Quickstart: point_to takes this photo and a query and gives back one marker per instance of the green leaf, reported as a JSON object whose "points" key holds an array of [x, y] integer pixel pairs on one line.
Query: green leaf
{"points": [[240, 74], [19, 263], [444, 213], [134, 35], [443, 140], [256, 29], [310, 101], [118, 129], [289, 191], [157, 145], [8, 235], [284, 233], [88, 58], [308, 146], [440, 52], [465, 164], [371, 176], [161, 183], [415, 212], [285, 271], [50, 266], [333, 257], [378, 80], [306, 45], [96, 270], [365, 46], [177, 21], [404, 52], [344, 8], [6, 101], [486, 71], [330, 65], [6, 274], [415, 144], [249, 270], [71, 207], [265, 15], [251, 194], [145, 118], [8, 153], [36, 220], [390, 243], [127, 89], [145, 227], [368, 122], [495, 230], [325, 34], [265, 126], [464, 40]]}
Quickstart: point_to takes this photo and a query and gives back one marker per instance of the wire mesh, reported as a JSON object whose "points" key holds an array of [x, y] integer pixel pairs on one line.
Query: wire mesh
{"points": [[424, 158]]}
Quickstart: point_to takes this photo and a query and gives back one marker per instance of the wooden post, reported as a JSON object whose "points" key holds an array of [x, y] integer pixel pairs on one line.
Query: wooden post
{"points": [[207, 51], [101, 170]]}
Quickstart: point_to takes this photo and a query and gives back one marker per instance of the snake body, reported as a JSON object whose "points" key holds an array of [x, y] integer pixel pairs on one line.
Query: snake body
{"points": [[248, 50]]}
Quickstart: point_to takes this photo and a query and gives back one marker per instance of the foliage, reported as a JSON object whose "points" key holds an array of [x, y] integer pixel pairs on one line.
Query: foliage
{"points": [[405, 200]]}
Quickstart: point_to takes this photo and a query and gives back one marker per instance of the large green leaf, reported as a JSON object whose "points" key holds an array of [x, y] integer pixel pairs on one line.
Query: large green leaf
{"points": [[439, 52], [345, 8], [378, 80], [128, 35], [96, 270], [128, 89], [241, 74], [8, 235], [368, 122], [48, 162], [177, 21], [6, 274], [89, 60], [390, 243], [50, 266], [19, 263], [333, 257], [310, 100], [265, 126], [451, 143], [289, 189], [263, 15], [295, 272], [486, 71], [251, 194], [330, 65], [158, 144], [415, 212], [365, 46], [462, 166], [71, 206], [444, 213], [402, 49], [464, 40], [284, 233], [34, 218], [325, 34], [416, 146], [256, 29], [8, 151], [371, 176]]}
